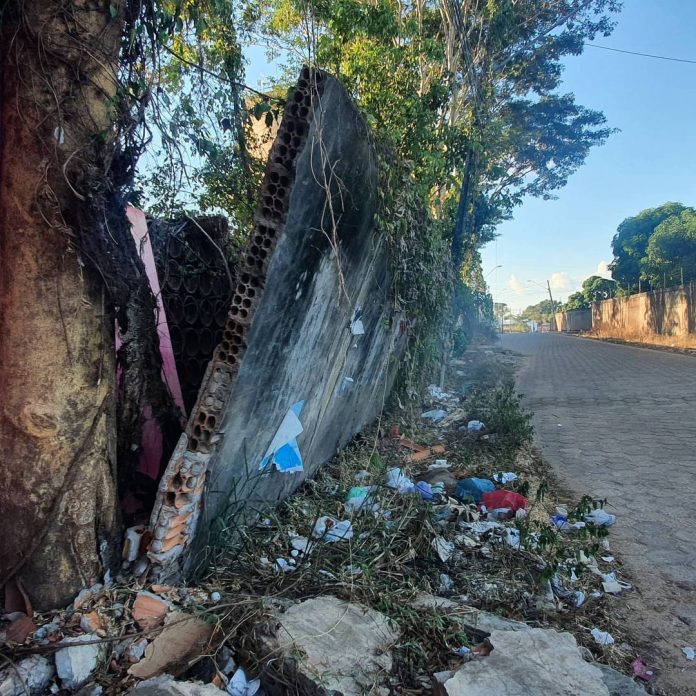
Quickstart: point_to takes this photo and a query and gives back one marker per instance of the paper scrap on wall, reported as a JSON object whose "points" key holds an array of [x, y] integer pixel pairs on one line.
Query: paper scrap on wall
{"points": [[283, 450]]}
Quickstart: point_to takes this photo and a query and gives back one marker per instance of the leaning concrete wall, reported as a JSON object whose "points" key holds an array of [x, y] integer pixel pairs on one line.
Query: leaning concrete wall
{"points": [[656, 313], [311, 323]]}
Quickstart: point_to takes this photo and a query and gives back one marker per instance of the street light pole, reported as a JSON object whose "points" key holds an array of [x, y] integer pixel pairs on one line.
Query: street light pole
{"points": [[553, 306]]}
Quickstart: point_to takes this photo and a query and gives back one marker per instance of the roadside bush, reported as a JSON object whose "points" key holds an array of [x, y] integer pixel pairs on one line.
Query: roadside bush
{"points": [[501, 411]]}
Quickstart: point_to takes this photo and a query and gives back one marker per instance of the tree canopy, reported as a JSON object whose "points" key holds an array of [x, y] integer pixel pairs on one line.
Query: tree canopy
{"points": [[670, 256], [630, 244], [594, 289], [466, 94], [541, 311]]}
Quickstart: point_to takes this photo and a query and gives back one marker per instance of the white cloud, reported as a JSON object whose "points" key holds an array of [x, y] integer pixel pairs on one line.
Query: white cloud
{"points": [[515, 285], [603, 270], [560, 281]]}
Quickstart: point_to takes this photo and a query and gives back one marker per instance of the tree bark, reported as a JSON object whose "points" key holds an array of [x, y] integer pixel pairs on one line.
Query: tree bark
{"points": [[57, 459]]}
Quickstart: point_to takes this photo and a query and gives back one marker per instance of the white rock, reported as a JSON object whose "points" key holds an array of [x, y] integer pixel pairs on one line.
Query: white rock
{"points": [[32, 673], [166, 686], [76, 663], [337, 645], [535, 662]]}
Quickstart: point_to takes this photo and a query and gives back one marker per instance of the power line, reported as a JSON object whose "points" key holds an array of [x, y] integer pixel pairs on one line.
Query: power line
{"points": [[644, 55]]}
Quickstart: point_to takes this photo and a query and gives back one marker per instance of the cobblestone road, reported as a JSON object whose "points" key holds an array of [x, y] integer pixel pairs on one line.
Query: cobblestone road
{"points": [[619, 422]]}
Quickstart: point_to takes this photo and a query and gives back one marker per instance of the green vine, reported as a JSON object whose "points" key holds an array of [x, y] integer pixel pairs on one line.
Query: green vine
{"points": [[422, 275]]}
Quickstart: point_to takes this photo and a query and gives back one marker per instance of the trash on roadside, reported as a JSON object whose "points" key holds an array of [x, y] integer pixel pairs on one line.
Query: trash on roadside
{"points": [[505, 477], [481, 527], [502, 504], [444, 548], [426, 491], [602, 638], [512, 537], [394, 432], [641, 671], [441, 480], [149, 610], [331, 530], [301, 544], [601, 518], [361, 499], [462, 651], [446, 583], [362, 475], [284, 565], [439, 464], [613, 586], [689, 652], [437, 393], [473, 488], [435, 415], [399, 481], [474, 426], [466, 541], [579, 597], [240, 685], [561, 522]]}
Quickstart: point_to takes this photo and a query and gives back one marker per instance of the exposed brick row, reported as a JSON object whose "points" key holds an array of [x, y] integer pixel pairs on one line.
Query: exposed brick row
{"points": [[175, 515]]}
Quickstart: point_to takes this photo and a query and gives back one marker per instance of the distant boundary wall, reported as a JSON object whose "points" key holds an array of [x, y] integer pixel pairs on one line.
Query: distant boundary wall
{"points": [[669, 312], [574, 321]]}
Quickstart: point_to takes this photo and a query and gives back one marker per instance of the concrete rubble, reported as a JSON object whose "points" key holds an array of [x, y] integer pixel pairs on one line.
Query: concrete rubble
{"points": [[183, 637], [78, 660], [536, 662], [32, 674], [327, 645], [167, 686]]}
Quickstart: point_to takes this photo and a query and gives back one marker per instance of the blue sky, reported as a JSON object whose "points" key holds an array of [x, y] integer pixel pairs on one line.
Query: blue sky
{"points": [[651, 161]]}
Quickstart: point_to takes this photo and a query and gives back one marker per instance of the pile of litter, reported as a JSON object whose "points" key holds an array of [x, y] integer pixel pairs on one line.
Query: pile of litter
{"points": [[421, 551]]}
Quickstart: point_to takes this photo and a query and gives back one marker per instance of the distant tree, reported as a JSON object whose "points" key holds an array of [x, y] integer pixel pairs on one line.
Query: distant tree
{"points": [[576, 301], [541, 311], [594, 289], [671, 251], [630, 243]]}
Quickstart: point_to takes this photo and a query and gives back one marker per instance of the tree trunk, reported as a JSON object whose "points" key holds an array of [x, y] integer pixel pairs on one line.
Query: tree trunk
{"points": [[57, 461], [458, 235]]}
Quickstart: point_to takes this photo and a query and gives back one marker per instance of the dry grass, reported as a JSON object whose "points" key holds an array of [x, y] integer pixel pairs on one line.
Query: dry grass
{"points": [[686, 343], [390, 559]]}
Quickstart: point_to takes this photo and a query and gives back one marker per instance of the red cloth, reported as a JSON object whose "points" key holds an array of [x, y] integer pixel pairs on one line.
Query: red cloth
{"points": [[504, 499]]}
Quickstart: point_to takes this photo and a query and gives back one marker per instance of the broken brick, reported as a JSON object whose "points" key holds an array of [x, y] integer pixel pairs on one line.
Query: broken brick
{"points": [[422, 455], [92, 623], [149, 610]]}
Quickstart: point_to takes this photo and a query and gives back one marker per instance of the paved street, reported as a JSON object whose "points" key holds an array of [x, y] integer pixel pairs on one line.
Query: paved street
{"points": [[619, 422]]}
